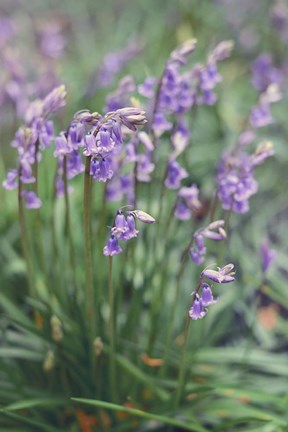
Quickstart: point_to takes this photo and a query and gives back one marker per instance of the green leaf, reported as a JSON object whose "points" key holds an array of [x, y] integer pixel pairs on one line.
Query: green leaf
{"points": [[28, 420], [149, 416], [130, 368], [31, 403], [13, 311], [20, 353]]}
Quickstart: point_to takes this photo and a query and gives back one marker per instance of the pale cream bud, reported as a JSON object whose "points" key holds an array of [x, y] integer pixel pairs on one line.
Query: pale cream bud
{"points": [[98, 346], [49, 361]]}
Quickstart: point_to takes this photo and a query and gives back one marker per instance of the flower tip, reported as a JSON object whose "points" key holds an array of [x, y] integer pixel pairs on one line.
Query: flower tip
{"points": [[143, 216]]}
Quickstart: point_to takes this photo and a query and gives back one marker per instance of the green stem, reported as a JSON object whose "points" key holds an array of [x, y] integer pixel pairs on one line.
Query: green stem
{"points": [[90, 306], [112, 366], [182, 368], [157, 302], [68, 222], [24, 240], [213, 207], [39, 239], [175, 303]]}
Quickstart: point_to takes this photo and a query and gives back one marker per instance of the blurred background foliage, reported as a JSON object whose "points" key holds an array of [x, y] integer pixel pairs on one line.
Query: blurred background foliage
{"points": [[238, 354]]}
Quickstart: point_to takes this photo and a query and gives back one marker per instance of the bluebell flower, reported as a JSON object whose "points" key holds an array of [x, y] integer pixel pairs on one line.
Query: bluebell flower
{"points": [[112, 247], [197, 310], [32, 201], [175, 173], [222, 275], [206, 295], [100, 170]]}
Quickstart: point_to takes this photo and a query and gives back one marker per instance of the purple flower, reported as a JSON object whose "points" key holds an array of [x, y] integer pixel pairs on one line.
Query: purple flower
{"points": [[62, 146], [31, 199], [120, 225], [180, 139], [131, 231], [182, 212], [209, 77], [55, 100], [279, 18], [206, 295], [198, 250], [261, 116], [74, 164], [215, 230], [26, 172], [222, 275], [175, 173], [188, 202], [197, 310], [130, 117], [263, 151], [146, 141], [265, 73], [236, 183], [100, 170], [181, 53], [267, 255], [11, 180], [112, 247], [160, 124], [148, 87], [112, 64], [76, 134], [90, 147], [144, 167], [121, 96]]}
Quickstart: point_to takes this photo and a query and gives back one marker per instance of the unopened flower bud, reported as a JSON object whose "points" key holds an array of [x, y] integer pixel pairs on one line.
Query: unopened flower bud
{"points": [[143, 216], [222, 275], [221, 51], [49, 361], [98, 346], [55, 100], [183, 51], [56, 328]]}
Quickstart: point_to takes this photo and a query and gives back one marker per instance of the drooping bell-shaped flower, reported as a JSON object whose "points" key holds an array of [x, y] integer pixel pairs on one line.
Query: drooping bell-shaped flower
{"points": [[197, 310], [206, 295], [112, 247]]}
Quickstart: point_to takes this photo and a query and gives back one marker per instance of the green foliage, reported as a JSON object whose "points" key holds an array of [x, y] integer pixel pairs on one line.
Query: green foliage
{"points": [[236, 367]]}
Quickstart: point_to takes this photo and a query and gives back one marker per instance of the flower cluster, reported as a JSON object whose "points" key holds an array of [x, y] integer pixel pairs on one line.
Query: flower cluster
{"points": [[261, 114], [265, 73], [235, 177], [124, 228], [178, 91], [187, 202], [27, 76], [31, 139], [214, 231], [203, 296]]}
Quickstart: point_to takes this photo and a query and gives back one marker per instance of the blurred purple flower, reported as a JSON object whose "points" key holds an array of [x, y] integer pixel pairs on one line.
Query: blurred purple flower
{"points": [[265, 73], [267, 255], [175, 173], [31, 199]]}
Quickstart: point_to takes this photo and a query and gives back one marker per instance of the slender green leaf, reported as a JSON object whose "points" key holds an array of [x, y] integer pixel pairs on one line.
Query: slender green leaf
{"points": [[195, 427]]}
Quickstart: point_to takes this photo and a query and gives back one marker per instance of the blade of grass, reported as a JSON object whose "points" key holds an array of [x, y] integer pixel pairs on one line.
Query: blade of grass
{"points": [[149, 416]]}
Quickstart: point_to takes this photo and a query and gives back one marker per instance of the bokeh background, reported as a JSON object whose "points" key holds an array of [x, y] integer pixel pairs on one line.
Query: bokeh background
{"points": [[89, 46]]}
